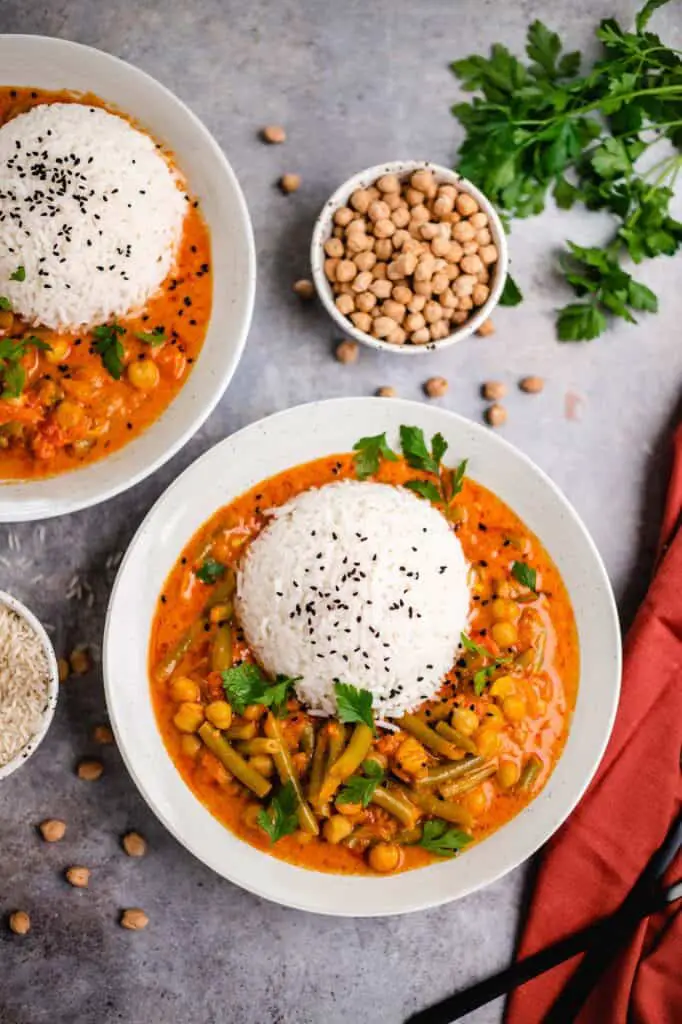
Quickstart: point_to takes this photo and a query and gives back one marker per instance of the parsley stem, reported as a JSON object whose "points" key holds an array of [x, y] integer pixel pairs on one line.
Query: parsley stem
{"points": [[588, 108]]}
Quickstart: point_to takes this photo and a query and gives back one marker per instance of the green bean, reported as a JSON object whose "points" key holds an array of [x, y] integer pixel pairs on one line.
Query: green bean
{"points": [[437, 712], [246, 731], [317, 768], [397, 803], [223, 591], [409, 836], [456, 737], [427, 736], [444, 809], [529, 773], [168, 664], [308, 738], [259, 745], [337, 741], [233, 761], [287, 773], [462, 785], [442, 772], [221, 649], [348, 762]]}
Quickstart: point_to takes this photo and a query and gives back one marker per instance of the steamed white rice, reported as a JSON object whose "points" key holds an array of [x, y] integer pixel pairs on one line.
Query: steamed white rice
{"points": [[90, 209], [359, 582]]}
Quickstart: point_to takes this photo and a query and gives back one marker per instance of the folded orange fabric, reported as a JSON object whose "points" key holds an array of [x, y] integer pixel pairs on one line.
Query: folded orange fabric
{"points": [[594, 860]]}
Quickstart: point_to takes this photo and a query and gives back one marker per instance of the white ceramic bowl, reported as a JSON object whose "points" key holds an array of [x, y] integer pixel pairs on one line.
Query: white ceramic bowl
{"points": [[52, 687], [57, 64], [230, 468], [403, 168]]}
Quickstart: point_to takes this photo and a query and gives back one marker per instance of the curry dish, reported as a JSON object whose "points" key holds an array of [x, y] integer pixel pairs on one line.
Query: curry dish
{"points": [[71, 408], [354, 796]]}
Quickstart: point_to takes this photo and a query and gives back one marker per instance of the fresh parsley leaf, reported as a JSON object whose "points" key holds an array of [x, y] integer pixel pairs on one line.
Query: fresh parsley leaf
{"points": [[153, 338], [13, 379], [243, 685], [276, 696], [483, 675], [280, 818], [425, 489], [580, 321], [644, 15], [18, 275], [469, 645], [369, 450], [416, 453], [457, 478], [359, 789], [641, 297], [12, 373], [108, 345], [440, 838], [439, 446], [525, 574], [353, 704], [511, 293], [210, 571], [5, 304], [482, 678]]}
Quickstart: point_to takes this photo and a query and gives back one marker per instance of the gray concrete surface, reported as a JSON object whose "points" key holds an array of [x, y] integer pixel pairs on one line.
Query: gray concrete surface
{"points": [[354, 84]]}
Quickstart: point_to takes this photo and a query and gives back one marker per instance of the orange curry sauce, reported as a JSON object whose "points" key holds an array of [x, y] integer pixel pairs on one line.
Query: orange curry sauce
{"points": [[72, 410], [486, 526]]}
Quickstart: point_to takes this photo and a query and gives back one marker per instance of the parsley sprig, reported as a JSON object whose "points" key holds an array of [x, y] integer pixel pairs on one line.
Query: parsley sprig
{"points": [[279, 819], [525, 574], [353, 704], [483, 676], [359, 789], [108, 345], [368, 452], [12, 373], [155, 337], [439, 838], [246, 684], [210, 571], [543, 126]]}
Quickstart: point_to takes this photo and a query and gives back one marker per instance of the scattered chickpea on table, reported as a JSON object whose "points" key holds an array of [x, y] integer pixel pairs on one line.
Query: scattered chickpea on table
{"points": [[436, 387], [410, 261]]}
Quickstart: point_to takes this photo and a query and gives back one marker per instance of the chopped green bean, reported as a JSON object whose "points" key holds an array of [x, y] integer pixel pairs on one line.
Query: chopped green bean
{"points": [[456, 737], [529, 773], [245, 731], [317, 768], [221, 649], [259, 745], [456, 787], [223, 591], [443, 772], [168, 664], [348, 762], [397, 803], [445, 809], [233, 761], [337, 741], [308, 738], [287, 773], [435, 742], [409, 836]]}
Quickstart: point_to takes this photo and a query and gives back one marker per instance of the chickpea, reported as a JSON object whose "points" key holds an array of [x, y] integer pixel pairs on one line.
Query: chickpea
{"points": [[144, 374], [397, 336], [274, 134], [466, 204], [52, 830], [455, 252], [103, 735], [251, 814], [471, 264], [347, 352], [184, 689], [493, 719], [343, 216], [188, 717], [20, 922], [6, 320], [378, 210], [395, 310], [90, 770], [384, 228], [488, 253], [386, 392], [358, 226], [433, 311], [439, 283], [484, 331], [388, 183], [439, 330], [476, 800], [514, 708], [401, 293], [365, 302], [78, 877], [480, 294], [190, 745], [345, 304], [421, 337], [385, 857], [362, 321], [507, 774], [448, 299], [414, 322], [304, 289], [436, 387], [219, 713], [414, 197], [440, 246], [383, 249], [365, 260], [336, 828], [463, 232], [69, 415], [290, 183], [459, 316], [419, 216], [382, 326], [487, 742], [134, 919], [59, 351], [504, 633], [64, 670], [483, 237], [503, 607], [334, 248], [465, 721], [362, 281], [381, 289], [465, 302], [532, 385], [330, 269], [263, 764], [403, 240], [423, 181], [416, 303], [401, 217], [464, 285], [345, 270]]}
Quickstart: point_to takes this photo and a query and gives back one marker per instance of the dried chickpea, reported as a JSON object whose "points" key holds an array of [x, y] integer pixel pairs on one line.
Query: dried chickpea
{"points": [[345, 304], [433, 311], [362, 321], [347, 352], [397, 336], [385, 857], [52, 830], [274, 134], [414, 322], [362, 281], [395, 310], [343, 216], [471, 264], [466, 204], [436, 387], [416, 303], [388, 183], [290, 183], [78, 877], [134, 844], [382, 326], [465, 302], [330, 269], [360, 200], [304, 288], [383, 248], [219, 713], [334, 248], [90, 770], [488, 253], [20, 922], [103, 735], [532, 385], [386, 392], [439, 330], [401, 293], [480, 294], [365, 302], [496, 415], [493, 390], [504, 633], [483, 237], [486, 329], [421, 337], [365, 260], [134, 919]]}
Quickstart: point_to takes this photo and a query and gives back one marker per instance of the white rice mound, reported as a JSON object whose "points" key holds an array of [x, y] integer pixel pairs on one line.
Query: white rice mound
{"points": [[362, 583], [90, 209]]}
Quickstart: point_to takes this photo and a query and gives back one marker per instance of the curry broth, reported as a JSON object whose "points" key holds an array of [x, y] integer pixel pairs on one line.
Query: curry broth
{"points": [[489, 522], [35, 443]]}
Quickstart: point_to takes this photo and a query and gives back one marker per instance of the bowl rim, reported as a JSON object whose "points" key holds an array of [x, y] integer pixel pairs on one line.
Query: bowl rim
{"points": [[33, 505], [322, 231], [37, 738], [162, 786]]}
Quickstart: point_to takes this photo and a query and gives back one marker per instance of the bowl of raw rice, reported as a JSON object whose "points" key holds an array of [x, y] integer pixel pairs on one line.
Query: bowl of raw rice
{"points": [[29, 683]]}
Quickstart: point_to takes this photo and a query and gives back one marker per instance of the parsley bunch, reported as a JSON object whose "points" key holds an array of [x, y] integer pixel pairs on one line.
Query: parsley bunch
{"points": [[542, 127]]}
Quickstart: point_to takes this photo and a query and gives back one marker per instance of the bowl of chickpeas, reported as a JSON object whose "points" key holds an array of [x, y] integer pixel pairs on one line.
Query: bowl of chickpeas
{"points": [[409, 257]]}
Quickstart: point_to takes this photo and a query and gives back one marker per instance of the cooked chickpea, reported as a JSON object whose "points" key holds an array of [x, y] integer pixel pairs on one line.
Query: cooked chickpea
{"points": [[414, 322], [143, 374], [304, 288], [433, 311], [401, 218], [20, 922], [69, 415], [263, 764], [395, 310], [463, 232], [134, 919], [503, 607], [383, 248], [439, 283], [483, 237], [190, 745], [336, 828], [184, 689], [290, 183], [494, 719], [358, 226], [465, 721], [487, 741], [382, 326], [345, 304], [465, 302], [52, 830], [219, 713], [385, 857], [504, 633], [416, 303], [251, 814], [507, 774], [439, 330], [6, 320], [514, 708], [347, 352], [384, 228], [59, 351], [398, 336], [64, 670], [401, 293], [188, 717], [476, 800], [381, 289], [274, 134], [90, 770], [330, 269]]}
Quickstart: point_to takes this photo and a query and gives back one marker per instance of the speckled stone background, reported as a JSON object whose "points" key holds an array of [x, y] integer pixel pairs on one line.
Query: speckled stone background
{"points": [[355, 84]]}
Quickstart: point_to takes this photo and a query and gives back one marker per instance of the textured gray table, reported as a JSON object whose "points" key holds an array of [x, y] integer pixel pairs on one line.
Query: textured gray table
{"points": [[354, 84]]}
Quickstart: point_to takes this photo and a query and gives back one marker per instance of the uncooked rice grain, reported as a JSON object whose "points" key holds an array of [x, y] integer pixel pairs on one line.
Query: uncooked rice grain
{"points": [[24, 679]]}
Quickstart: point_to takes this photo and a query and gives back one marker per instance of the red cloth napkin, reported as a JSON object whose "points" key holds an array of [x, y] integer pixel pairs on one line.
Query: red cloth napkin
{"points": [[596, 857]]}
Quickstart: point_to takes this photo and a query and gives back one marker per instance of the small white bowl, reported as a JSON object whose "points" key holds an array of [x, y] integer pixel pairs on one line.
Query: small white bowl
{"points": [[52, 686], [403, 168]]}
